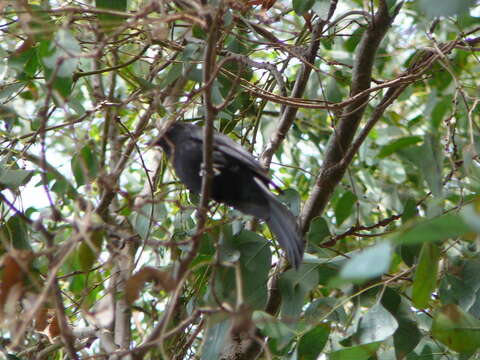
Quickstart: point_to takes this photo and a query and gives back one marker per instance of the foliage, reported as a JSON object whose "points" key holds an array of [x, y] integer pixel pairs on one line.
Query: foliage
{"points": [[366, 111]]}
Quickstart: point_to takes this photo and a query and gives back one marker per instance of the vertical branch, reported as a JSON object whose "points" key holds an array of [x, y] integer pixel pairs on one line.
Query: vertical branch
{"points": [[288, 115], [210, 114], [209, 61], [333, 168]]}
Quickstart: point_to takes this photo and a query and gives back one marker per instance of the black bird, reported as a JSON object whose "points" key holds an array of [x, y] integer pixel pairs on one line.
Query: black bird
{"points": [[239, 181]]}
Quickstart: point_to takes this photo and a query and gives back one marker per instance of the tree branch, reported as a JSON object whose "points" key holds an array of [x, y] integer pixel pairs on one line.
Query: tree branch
{"points": [[289, 113], [333, 166]]}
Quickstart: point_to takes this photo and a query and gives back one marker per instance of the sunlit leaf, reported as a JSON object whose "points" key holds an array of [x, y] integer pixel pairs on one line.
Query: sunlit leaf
{"points": [[398, 144], [376, 325], [367, 264], [437, 229]]}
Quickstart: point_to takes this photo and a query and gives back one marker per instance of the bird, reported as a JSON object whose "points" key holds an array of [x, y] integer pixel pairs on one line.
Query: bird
{"points": [[238, 181]]}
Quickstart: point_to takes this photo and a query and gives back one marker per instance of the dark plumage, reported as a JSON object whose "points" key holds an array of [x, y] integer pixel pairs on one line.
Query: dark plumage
{"points": [[239, 181]]}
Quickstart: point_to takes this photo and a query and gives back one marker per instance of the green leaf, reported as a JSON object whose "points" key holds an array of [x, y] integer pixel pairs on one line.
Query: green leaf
{"points": [[434, 8], [173, 74], [273, 328], [431, 163], [440, 110], [461, 287], [406, 338], [255, 261], [215, 338], [359, 268], [318, 231], [425, 278], [85, 166], [15, 233], [13, 357], [312, 343], [376, 325], [325, 309], [25, 62], [360, 352], [333, 92], [397, 144], [109, 22], [407, 335], [353, 40], [409, 253], [141, 220], [14, 178], [470, 214], [60, 58], [42, 25], [438, 229], [89, 251], [409, 210], [291, 198], [302, 6], [294, 285], [456, 329], [253, 254], [344, 206]]}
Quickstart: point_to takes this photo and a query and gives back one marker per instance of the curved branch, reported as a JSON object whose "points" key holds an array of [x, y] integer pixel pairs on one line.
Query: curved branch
{"points": [[336, 162]]}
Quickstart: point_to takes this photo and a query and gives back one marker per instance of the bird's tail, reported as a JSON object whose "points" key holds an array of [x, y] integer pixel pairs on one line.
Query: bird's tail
{"points": [[284, 226]]}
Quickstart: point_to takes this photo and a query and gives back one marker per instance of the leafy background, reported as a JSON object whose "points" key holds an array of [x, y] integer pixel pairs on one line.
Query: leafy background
{"points": [[366, 112]]}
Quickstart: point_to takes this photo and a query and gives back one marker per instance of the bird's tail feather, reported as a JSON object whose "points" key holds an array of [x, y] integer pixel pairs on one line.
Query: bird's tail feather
{"points": [[284, 226]]}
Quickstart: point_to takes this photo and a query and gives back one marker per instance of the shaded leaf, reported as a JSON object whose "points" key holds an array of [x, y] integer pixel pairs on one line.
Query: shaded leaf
{"points": [[255, 260], [398, 144], [274, 328], [84, 166], [318, 231], [312, 343], [302, 6], [431, 160], [215, 338], [344, 206], [89, 250], [109, 22], [456, 329], [406, 338], [60, 59], [15, 233], [294, 286], [425, 278]]}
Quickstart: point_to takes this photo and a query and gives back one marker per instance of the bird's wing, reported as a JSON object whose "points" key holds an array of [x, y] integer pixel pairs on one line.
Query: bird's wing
{"points": [[230, 148], [223, 145]]}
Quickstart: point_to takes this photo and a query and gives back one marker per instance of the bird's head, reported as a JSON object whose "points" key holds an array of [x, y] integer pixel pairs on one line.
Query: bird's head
{"points": [[168, 136]]}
